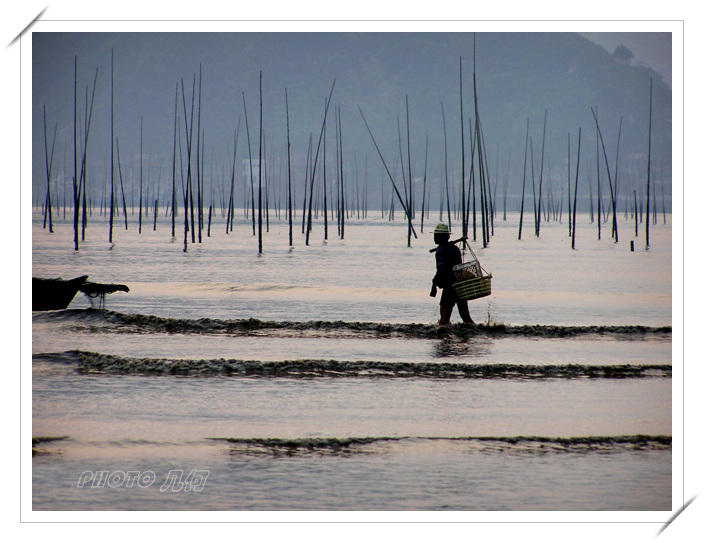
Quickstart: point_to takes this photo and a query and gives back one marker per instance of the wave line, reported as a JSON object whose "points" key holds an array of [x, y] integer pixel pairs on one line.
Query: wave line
{"points": [[92, 362], [138, 323], [500, 444]]}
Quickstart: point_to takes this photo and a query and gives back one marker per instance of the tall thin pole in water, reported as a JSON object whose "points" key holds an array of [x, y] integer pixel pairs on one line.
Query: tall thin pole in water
{"points": [[190, 176], [305, 183], [425, 179], [122, 187], [447, 188], [173, 172], [598, 188], [141, 167], [342, 179], [484, 186], [569, 188], [465, 222], [325, 183], [188, 190], [540, 183], [576, 180], [472, 180], [79, 179], [231, 202], [635, 211], [251, 171], [260, 162], [83, 181], [48, 175], [199, 179], [112, 141], [608, 173], [391, 178], [410, 176], [288, 153], [647, 205], [315, 163], [523, 192], [76, 200], [614, 230]]}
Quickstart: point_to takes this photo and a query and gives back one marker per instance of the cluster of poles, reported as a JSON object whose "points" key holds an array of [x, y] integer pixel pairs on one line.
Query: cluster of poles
{"points": [[601, 154], [474, 201]]}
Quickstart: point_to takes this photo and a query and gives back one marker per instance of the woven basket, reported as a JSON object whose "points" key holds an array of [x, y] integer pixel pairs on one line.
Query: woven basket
{"points": [[471, 289]]}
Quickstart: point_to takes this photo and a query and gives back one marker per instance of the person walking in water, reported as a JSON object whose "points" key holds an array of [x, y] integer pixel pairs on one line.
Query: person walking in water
{"points": [[447, 255]]}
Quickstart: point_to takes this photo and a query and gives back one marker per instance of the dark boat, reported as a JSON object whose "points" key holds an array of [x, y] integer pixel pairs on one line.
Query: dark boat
{"points": [[48, 294], [52, 294]]}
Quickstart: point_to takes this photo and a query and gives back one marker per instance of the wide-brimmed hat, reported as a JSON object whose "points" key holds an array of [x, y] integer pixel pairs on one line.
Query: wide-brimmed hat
{"points": [[442, 229]]}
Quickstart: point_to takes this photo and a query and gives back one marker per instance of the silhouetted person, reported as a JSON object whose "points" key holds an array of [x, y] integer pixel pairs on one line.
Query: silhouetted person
{"points": [[447, 255]]}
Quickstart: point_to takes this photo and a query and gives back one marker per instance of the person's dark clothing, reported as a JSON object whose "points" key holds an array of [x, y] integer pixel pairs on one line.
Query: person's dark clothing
{"points": [[446, 256]]}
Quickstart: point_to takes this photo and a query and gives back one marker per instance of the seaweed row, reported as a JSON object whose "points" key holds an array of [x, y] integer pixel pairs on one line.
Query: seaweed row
{"points": [[151, 323], [89, 362], [518, 444]]}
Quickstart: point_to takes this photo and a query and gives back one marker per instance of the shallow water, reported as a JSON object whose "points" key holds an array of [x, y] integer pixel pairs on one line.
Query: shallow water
{"points": [[313, 378]]}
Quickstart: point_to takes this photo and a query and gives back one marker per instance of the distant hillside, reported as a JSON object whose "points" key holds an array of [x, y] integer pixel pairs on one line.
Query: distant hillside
{"points": [[519, 76]]}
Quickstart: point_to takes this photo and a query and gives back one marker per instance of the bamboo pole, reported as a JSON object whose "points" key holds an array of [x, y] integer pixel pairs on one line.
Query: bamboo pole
{"points": [[156, 211], [614, 230], [112, 141], [305, 183], [647, 206], [576, 181], [325, 183], [487, 209], [635, 211], [425, 181], [523, 192], [483, 174], [251, 171], [465, 222], [398, 194], [608, 173], [48, 163], [482, 185], [192, 228], [261, 135], [410, 175], [141, 167], [569, 189], [80, 186], [188, 192], [210, 217], [199, 178], [598, 188], [231, 202], [173, 172], [122, 187], [342, 179], [447, 188], [315, 164], [288, 154], [540, 185], [473, 180], [76, 201]]}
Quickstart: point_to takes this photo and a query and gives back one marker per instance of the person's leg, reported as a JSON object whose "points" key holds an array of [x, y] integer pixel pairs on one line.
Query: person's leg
{"points": [[445, 314], [463, 310], [447, 303]]}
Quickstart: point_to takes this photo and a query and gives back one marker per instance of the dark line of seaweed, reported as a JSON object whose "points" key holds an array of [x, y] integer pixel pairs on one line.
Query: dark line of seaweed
{"points": [[138, 322], [89, 362]]}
